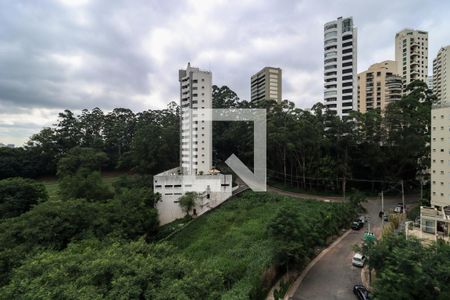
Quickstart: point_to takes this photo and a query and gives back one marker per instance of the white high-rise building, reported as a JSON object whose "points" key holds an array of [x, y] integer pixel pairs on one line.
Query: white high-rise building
{"points": [[340, 66], [441, 75], [411, 55], [195, 172], [196, 135]]}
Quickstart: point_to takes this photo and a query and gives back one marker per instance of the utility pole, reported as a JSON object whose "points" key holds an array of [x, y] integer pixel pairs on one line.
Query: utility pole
{"points": [[344, 184], [403, 198], [421, 188], [382, 209]]}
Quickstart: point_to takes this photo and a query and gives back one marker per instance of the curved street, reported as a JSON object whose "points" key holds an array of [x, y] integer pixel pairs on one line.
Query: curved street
{"points": [[333, 276]]}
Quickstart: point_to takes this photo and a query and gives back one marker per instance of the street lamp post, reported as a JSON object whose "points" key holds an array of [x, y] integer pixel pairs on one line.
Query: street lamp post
{"points": [[382, 209]]}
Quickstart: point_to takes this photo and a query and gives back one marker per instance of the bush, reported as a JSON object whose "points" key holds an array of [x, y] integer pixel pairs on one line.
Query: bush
{"points": [[84, 185], [79, 175], [18, 195]]}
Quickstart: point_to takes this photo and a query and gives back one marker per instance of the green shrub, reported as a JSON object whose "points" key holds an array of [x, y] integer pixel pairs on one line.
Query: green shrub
{"points": [[18, 195]]}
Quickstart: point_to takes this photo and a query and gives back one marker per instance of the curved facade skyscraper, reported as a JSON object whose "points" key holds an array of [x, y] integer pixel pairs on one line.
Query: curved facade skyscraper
{"points": [[340, 66]]}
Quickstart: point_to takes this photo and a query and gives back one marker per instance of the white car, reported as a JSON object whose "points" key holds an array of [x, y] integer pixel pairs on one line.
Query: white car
{"points": [[398, 209], [358, 260]]}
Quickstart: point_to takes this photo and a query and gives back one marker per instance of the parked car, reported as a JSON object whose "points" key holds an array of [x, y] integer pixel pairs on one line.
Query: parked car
{"points": [[363, 219], [399, 208], [357, 225], [358, 260], [386, 217], [361, 292]]}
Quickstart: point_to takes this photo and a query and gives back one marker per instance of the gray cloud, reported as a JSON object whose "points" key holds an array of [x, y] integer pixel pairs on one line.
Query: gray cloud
{"points": [[57, 54]]}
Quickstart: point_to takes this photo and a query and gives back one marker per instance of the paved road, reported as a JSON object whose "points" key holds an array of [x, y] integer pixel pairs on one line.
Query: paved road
{"points": [[333, 276], [303, 196]]}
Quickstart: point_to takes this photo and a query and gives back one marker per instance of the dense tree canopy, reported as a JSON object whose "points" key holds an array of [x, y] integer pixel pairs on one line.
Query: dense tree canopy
{"points": [[54, 224], [408, 269], [18, 195], [95, 270]]}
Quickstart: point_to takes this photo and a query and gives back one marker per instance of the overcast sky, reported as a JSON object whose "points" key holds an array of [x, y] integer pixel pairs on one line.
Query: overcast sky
{"points": [[75, 54]]}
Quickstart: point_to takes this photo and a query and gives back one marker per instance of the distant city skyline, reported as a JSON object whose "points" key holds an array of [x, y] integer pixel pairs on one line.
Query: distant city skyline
{"points": [[58, 54]]}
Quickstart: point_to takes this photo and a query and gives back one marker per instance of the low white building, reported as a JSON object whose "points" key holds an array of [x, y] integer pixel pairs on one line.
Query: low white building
{"points": [[213, 189]]}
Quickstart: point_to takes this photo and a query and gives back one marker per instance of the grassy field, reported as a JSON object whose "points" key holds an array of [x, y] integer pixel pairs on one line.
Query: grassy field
{"points": [[52, 185], [234, 239]]}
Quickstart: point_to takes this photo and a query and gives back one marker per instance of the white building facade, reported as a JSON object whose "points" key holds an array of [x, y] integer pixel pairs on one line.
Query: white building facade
{"points": [[441, 74], [435, 220], [340, 66], [411, 55]]}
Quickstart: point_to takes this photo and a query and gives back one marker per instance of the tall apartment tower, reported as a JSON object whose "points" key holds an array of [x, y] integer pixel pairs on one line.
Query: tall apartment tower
{"points": [[379, 86], [196, 135], [441, 75], [435, 220], [340, 66], [266, 85], [411, 55]]}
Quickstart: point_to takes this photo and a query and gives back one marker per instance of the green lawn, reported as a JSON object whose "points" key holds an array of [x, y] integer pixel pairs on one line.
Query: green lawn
{"points": [[234, 238]]}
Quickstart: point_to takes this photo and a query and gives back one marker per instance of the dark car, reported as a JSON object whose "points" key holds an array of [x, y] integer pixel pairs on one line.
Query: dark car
{"points": [[361, 292], [357, 225]]}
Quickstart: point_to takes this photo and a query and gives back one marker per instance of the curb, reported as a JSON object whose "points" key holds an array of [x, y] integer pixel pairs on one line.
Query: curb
{"points": [[294, 287]]}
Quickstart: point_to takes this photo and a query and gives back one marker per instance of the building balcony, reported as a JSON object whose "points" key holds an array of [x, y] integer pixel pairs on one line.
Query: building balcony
{"points": [[330, 54], [330, 67], [330, 42]]}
